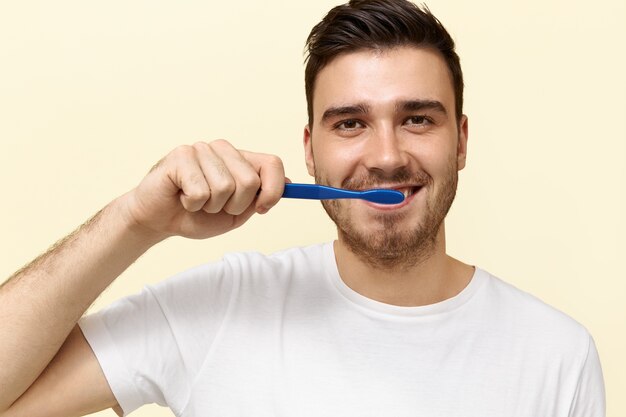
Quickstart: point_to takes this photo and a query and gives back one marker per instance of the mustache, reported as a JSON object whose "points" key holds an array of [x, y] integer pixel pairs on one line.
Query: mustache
{"points": [[375, 179]]}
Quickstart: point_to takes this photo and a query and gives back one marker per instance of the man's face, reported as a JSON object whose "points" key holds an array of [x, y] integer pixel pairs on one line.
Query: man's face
{"points": [[386, 120]]}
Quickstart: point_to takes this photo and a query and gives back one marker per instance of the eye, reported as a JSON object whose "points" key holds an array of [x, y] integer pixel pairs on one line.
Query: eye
{"points": [[350, 124], [420, 120]]}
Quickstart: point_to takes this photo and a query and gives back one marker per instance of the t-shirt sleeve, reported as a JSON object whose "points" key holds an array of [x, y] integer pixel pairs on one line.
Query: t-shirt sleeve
{"points": [[589, 399], [151, 345]]}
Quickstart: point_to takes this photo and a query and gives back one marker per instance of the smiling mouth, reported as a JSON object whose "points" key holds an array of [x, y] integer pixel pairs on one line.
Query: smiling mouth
{"points": [[407, 191]]}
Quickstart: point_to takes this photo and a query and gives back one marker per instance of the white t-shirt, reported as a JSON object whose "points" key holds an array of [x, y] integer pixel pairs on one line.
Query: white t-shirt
{"points": [[283, 335]]}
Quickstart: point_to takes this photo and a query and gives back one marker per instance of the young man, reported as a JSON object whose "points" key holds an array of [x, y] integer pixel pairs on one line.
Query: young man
{"points": [[380, 322]]}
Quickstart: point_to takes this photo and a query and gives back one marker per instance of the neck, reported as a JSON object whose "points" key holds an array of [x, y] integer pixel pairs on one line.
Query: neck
{"points": [[435, 278]]}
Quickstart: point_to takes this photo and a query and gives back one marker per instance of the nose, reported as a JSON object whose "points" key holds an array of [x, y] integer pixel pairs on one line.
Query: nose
{"points": [[385, 151]]}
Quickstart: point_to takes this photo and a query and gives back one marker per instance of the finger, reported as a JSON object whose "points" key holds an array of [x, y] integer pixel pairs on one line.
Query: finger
{"points": [[243, 217], [217, 175], [189, 178], [272, 174], [247, 180]]}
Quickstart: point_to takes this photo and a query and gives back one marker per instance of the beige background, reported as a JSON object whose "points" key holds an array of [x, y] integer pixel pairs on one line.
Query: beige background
{"points": [[93, 93]]}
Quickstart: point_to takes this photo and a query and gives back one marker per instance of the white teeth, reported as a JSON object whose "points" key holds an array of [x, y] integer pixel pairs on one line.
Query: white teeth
{"points": [[409, 191]]}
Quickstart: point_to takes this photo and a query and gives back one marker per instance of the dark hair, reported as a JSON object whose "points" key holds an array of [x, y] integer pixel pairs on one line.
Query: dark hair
{"points": [[378, 25]]}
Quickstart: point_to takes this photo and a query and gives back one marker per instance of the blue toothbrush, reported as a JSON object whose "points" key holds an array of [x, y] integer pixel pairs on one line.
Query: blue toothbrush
{"points": [[322, 192]]}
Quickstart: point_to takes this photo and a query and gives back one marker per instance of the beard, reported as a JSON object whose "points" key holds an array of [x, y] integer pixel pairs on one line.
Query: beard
{"points": [[391, 246]]}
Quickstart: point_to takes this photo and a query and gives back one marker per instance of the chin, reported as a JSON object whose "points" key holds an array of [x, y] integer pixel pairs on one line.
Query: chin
{"points": [[389, 245]]}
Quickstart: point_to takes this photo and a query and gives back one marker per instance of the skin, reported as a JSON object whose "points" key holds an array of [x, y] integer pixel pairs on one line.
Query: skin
{"points": [[366, 136], [207, 189], [198, 191]]}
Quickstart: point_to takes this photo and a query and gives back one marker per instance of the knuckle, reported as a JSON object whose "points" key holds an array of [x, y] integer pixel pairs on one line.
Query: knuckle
{"points": [[196, 179], [224, 185], [198, 190], [275, 161], [197, 195], [220, 143], [182, 152], [201, 146], [250, 182]]}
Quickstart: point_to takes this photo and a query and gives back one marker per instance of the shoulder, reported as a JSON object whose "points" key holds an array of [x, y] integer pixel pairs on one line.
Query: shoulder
{"points": [[238, 273], [531, 318], [542, 343]]}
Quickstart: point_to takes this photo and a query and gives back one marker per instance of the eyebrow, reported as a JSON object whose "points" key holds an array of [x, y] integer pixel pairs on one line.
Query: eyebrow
{"points": [[417, 105], [357, 109], [404, 106]]}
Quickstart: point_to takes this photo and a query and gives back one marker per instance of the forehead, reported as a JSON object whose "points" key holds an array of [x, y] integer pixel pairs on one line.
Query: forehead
{"points": [[380, 78]]}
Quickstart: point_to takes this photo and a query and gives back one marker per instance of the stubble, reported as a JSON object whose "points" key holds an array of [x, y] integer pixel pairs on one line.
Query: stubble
{"points": [[389, 246]]}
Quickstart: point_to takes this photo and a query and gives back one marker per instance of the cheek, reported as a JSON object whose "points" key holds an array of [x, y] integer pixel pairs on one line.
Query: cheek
{"points": [[436, 157], [335, 163]]}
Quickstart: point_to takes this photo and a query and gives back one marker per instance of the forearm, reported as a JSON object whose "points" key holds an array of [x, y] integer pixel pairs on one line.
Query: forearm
{"points": [[41, 303]]}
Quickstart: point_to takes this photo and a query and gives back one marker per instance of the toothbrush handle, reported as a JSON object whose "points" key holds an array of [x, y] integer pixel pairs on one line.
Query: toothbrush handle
{"points": [[316, 192], [322, 192]]}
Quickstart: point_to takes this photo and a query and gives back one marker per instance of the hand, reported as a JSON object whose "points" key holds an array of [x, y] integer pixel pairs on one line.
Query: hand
{"points": [[205, 190]]}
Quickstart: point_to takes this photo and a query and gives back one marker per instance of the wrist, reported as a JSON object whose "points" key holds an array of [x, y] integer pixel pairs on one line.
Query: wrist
{"points": [[133, 229]]}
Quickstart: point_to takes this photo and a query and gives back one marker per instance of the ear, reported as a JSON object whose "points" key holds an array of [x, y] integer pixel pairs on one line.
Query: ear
{"points": [[461, 150], [308, 151]]}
